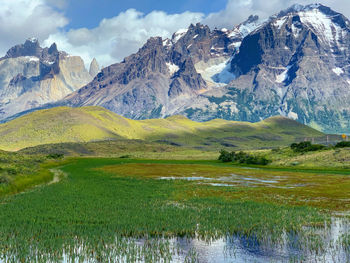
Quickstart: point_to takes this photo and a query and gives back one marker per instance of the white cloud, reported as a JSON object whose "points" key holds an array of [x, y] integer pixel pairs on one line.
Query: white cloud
{"points": [[117, 37], [20, 19], [121, 35]]}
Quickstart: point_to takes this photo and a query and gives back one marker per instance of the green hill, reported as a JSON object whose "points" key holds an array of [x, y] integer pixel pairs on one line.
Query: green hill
{"points": [[91, 124]]}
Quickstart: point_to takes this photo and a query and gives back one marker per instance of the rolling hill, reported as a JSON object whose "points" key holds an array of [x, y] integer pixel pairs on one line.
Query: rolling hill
{"points": [[91, 124]]}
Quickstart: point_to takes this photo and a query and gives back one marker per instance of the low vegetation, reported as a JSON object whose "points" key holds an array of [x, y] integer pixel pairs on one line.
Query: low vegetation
{"points": [[242, 158], [307, 146], [343, 144], [19, 172]]}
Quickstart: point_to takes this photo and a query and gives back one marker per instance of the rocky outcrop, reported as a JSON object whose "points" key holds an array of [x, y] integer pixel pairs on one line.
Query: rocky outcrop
{"points": [[31, 76], [94, 68]]}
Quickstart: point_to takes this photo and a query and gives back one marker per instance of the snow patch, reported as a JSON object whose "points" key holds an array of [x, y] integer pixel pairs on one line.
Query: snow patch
{"points": [[323, 25], [293, 115], [280, 22], [236, 44], [172, 68], [283, 76], [296, 31], [33, 39], [32, 59], [245, 29], [338, 71], [167, 43], [179, 34], [216, 71]]}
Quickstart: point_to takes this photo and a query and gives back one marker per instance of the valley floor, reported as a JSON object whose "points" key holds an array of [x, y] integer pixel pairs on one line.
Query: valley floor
{"points": [[103, 207]]}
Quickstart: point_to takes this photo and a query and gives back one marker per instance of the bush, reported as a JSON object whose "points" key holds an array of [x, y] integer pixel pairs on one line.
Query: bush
{"points": [[125, 157], [342, 144], [55, 156], [303, 147], [225, 156], [242, 158], [4, 179]]}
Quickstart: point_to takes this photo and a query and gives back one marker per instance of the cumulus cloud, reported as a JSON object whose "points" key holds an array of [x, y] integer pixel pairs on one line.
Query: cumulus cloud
{"points": [[117, 37], [121, 35], [20, 19]]}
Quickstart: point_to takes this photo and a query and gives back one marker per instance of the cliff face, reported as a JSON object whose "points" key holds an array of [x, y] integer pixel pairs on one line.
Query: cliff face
{"points": [[31, 76]]}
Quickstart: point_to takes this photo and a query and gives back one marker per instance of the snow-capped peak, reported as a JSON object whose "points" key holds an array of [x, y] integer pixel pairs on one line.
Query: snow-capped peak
{"points": [[296, 8], [327, 24], [245, 28], [32, 39]]}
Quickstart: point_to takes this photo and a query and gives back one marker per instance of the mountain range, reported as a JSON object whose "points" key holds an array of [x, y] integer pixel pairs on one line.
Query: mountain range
{"points": [[295, 63]]}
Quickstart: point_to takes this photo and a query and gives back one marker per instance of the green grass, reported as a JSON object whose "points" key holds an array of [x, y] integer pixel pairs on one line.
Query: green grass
{"points": [[87, 124], [329, 158], [19, 172], [105, 199]]}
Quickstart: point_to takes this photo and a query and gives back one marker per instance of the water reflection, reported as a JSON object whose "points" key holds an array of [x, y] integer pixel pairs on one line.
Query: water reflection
{"points": [[322, 244]]}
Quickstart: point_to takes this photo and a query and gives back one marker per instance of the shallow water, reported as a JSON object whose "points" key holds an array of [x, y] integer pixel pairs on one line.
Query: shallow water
{"points": [[237, 180], [238, 249]]}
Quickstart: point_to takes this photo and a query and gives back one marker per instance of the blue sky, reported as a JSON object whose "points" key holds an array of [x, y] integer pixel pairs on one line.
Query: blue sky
{"points": [[89, 13]]}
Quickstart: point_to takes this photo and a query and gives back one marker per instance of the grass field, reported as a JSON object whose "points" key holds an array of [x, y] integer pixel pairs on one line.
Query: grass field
{"points": [[91, 124], [104, 200], [19, 172]]}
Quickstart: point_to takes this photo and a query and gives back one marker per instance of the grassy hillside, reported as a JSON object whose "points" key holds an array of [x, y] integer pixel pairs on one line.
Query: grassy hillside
{"points": [[87, 124]]}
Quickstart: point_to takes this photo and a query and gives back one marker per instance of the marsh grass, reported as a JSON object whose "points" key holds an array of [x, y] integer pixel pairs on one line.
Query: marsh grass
{"points": [[106, 207]]}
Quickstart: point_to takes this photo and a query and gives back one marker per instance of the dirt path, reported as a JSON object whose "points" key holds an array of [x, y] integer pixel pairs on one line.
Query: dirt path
{"points": [[58, 175]]}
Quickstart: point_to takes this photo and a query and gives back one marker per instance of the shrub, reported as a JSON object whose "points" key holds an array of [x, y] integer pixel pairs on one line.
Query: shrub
{"points": [[55, 156], [125, 157], [225, 156], [4, 179], [306, 147], [242, 158], [342, 144]]}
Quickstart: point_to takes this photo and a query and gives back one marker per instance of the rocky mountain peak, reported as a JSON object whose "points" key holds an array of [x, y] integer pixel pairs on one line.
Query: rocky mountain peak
{"points": [[251, 19], [153, 43], [94, 68], [53, 49], [31, 47], [313, 12]]}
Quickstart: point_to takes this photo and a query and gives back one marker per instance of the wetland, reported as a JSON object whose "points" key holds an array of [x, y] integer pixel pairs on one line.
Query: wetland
{"points": [[125, 210]]}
